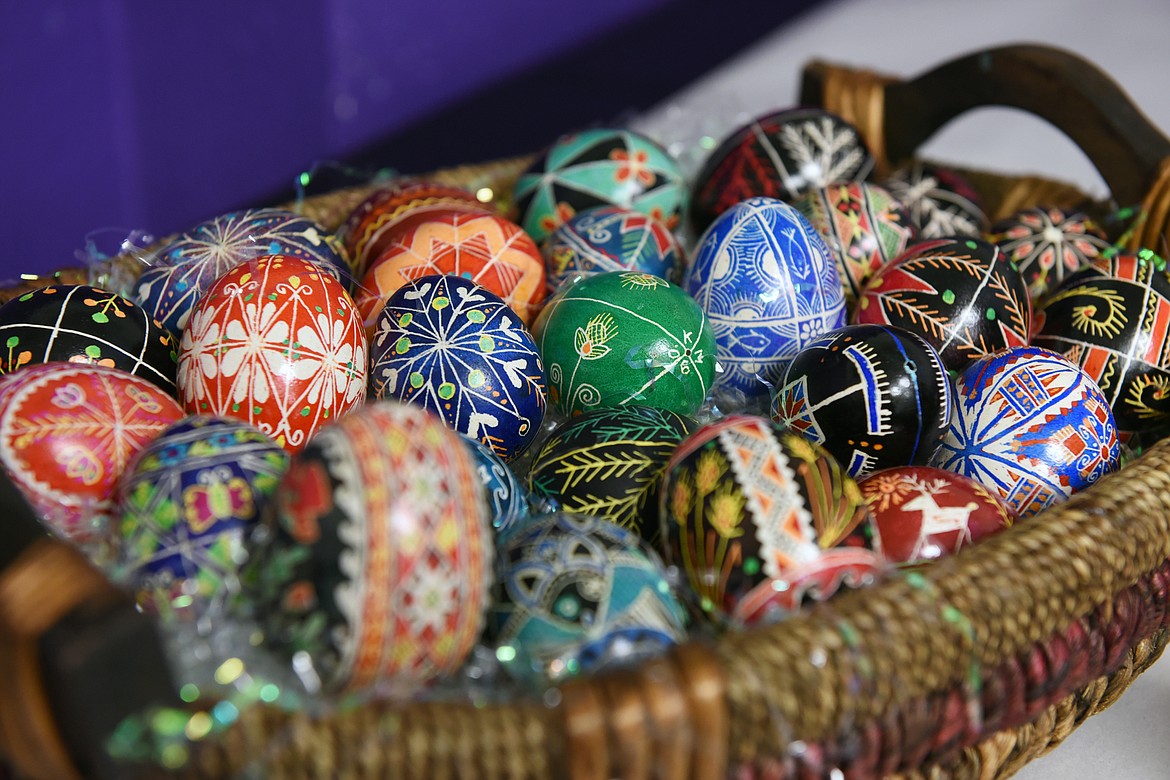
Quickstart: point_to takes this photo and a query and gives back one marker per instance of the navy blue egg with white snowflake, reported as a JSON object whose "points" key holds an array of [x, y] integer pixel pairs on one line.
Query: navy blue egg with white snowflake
{"points": [[186, 267], [769, 285], [451, 346]]}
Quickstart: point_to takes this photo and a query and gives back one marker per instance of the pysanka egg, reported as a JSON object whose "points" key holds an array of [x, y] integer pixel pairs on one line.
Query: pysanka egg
{"points": [[769, 284], [610, 238], [371, 225], [183, 269], [67, 432], [278, 344], [599, 167], [942, 203], [489, 250], [448, 345], [506, 496], [1048, 244], [379, 559], [921, 513], [185, 503], [1031, 426], [864, 225], [779, 155], [962, 295], [82, 324], [609, 463], [621, 338], [578, 594], [1117, 329], [758, 518], [874, 396]]}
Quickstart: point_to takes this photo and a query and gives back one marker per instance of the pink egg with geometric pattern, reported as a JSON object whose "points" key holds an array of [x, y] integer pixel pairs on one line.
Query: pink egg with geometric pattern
{"points": [[67, 432], [277, 344]]}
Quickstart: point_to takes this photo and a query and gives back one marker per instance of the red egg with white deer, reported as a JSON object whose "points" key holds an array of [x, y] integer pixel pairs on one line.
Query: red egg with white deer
{"points": [[920, 513]]}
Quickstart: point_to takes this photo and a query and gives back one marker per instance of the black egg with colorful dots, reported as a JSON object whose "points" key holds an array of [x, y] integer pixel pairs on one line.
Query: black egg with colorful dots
{"points": [[963, 295], [83, 324]]}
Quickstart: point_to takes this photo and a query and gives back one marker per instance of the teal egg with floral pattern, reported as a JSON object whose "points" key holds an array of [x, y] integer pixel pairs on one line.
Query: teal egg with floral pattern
{"points": [[577, 594], [621, 338], [601, 167], [186, 502]]}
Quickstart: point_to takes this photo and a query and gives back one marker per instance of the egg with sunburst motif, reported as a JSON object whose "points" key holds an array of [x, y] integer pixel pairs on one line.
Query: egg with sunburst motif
{"points": [[1116, 328], [759, 519]]}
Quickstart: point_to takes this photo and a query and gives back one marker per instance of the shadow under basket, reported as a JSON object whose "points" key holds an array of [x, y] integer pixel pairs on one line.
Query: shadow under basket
{"points": [[966, 668]]}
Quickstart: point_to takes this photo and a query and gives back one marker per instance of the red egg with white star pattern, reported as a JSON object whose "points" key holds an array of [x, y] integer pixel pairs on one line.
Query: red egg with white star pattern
{"points": [[68, 431], [277, 344], [920, 513]]}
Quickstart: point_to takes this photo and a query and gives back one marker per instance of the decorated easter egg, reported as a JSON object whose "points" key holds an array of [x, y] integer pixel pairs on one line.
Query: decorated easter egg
{"points": [[1031, 426], [962, 295], [921, 513], [489, 250], [609, 463], [621, 338], [610, 238], [507, 498], [599, 167], [82, 324], [368, 229], [448, 345], [1117, 330], [378, 564], [864, 226], [67, 432], [874, 396], [183, 269], [578, 594], [942, 203], [1145, 267], [758, 518], [769, 284], [779, 155], [275, 343], [1048, 244], [185, 503]]}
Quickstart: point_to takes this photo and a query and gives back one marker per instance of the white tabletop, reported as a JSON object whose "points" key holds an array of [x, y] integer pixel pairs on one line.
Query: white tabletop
{"points": [[1129, 39]]}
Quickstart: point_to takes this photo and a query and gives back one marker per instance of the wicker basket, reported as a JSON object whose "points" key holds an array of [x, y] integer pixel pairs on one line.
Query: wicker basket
{"points": [[967, 668]]}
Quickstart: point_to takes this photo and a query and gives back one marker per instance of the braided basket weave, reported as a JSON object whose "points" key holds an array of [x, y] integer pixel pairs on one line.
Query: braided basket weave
{"points": [[967, 668]]}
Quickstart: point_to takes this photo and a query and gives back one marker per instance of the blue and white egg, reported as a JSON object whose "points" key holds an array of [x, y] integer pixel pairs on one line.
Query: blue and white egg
{"points": [[455, 348], [769, 285]]}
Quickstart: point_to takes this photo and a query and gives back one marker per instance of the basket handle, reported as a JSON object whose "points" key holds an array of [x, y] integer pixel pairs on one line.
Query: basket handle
{"points": [[896, 116]]}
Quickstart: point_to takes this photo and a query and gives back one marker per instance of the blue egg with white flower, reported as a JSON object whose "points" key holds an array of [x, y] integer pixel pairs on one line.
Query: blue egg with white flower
{"points": [[507, 498], [769, 285], [455, 348]]}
